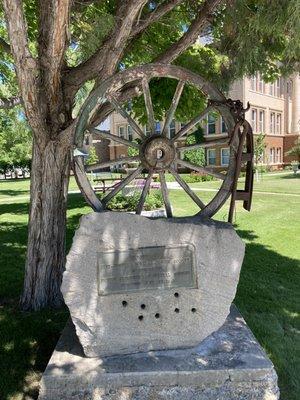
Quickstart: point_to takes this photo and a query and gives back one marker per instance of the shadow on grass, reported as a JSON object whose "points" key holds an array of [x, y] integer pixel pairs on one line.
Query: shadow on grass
{"points": [[13, 192], [291, 176], [14, 208], [268, 297]]}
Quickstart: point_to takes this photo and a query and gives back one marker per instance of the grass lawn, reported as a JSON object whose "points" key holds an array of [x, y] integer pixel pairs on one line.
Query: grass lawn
{"points": [[268, 293]]}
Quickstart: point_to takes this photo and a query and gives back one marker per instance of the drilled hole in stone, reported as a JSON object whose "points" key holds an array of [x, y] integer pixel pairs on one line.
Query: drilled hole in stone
{"points": [[143, 306], [124, 303], [141, 317], [157, 315], [176, 294], [176, 310], [193, 309]]}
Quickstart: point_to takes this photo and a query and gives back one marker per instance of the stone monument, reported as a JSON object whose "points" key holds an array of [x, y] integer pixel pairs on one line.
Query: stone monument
{"points": [[150, 300], [167, 284]]}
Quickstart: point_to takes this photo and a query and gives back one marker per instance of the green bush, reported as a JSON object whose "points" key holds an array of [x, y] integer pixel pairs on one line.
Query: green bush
{"points": [[129, 203], [193, 178]]}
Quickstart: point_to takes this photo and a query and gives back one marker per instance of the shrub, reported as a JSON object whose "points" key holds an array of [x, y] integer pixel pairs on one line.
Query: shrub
{"points": [[129, 203], [193, 178]]}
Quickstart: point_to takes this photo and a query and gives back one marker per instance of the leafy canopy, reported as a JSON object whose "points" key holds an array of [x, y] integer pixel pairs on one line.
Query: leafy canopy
{"points": [[245, 36], [15, 140], [195, 156]]}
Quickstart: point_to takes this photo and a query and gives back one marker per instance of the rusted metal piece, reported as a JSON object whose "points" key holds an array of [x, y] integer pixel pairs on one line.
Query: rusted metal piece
{"points": [[158, 153], [236, 107], [246, 138], [248, 157]]}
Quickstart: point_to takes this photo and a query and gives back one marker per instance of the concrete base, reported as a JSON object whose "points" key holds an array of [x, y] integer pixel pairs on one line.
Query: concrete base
{"points": [[228, 365]]}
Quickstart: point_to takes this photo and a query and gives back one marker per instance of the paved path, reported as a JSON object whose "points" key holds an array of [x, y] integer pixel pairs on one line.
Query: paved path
{"points": [[175, 185]]}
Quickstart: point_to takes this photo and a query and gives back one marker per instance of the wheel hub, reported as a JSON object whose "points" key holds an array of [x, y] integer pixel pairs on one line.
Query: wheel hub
{"points": [[157, 153]]}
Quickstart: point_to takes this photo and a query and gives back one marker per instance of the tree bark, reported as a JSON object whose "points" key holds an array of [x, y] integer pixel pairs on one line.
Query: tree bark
{"points": [[47, 221]]}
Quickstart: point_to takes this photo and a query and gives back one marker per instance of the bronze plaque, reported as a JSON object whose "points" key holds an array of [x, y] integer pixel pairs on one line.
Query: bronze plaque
{"points": [[145, 268]]}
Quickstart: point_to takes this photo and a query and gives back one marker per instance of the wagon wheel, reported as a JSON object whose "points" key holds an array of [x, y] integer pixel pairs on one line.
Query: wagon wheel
{"points": [[158, 153]]}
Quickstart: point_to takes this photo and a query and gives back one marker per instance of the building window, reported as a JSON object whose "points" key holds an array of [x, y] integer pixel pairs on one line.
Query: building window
{"points": [[278, 87], [254, 119], [253, 82], [224, 156], [122, 131], [223, 126], [172, 129], [278, 155], [272, 155], [261, 126], [211, 124], [157, 127], [147, 130], [129, 133], [272, 89], [289, 88], [272, 122], [278, 124], [261, 84], [211, 157]]}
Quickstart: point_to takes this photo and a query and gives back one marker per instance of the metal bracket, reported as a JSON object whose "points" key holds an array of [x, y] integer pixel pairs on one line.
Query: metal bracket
{"points": [[246, 138]]}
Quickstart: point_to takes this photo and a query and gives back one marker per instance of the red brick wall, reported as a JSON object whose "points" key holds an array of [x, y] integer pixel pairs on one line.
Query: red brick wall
{"points": [[102, 150], [117, 151], [289, 142]]}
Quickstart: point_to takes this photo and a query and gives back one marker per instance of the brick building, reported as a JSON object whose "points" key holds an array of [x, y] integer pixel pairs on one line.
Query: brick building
{"points": [[274, 111]]}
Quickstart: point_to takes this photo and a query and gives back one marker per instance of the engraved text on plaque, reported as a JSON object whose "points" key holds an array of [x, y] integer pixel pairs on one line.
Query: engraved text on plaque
{"points": [[161, 267]]}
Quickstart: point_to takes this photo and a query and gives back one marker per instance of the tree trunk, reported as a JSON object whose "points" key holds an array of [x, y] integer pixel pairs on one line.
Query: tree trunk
{"points": [[47, 224]]}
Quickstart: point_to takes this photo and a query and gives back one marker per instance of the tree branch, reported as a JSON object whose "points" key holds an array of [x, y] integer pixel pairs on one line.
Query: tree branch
{"points": [[190, 36], [26, 66], [10, 102], [154, 16], [78, 4], [5, 46], [107, 57]]}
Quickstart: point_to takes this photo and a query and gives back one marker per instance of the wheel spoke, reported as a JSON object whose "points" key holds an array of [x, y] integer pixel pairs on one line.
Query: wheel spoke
{"points": [[121, 185], [186, 188], [85, 186], [149, 105], [191, 124], [145, 191], [172, 109], [165, 194], [209, 143], [107, 135], [105, 164], [125, 114], [200, 169]]}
